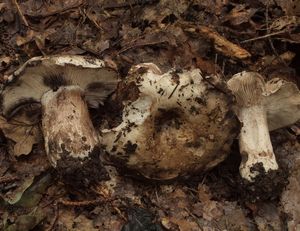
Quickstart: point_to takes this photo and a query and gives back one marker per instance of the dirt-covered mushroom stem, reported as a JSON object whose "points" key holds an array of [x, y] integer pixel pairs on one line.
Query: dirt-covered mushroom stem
{"points": [[255, 144], [71, 141]]}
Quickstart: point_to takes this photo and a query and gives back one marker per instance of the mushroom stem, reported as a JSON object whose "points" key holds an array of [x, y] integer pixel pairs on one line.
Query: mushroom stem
{"points": [[71, 141], [255, 143]]}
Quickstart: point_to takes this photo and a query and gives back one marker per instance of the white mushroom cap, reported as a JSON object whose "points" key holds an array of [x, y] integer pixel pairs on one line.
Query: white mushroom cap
{"points": [[177, 124], [41, 74]]}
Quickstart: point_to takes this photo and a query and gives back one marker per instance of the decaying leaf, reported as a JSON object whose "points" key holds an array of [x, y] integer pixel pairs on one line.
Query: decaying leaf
{"points": [[141, 220], [23, 130], [239, 14], [291, 7], [70, 221], [290, 199], [13, 197], [26, 222], [4, 60], [43, 9], [285, 22], [267, 217], [34, 193], [179, 224]]}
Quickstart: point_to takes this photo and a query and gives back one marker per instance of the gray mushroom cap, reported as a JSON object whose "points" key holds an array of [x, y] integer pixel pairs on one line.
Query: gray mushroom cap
{"points": [[41, 74], [282, 103]]}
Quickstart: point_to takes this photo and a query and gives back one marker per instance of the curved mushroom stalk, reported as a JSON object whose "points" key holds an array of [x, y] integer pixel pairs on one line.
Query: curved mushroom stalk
{"points": [[71, 141], [65, 86], [262, 107], [179, 124], [255, 142]]}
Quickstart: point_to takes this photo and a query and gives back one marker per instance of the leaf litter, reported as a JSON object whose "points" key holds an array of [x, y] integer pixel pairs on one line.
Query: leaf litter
{"points": [[220, 36]]}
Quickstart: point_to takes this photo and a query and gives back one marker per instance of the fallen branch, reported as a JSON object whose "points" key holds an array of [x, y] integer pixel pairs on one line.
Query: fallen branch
{"points": [[221, 44], [20, 13]]}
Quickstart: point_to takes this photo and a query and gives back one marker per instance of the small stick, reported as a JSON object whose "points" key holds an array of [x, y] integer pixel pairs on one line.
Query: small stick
{"points": [[263, 37], [81, 203], [20, 13]]}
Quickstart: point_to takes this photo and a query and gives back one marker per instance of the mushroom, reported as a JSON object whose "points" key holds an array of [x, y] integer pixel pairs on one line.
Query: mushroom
{"points": [[262, 107], [174, 124], [64, 86]]}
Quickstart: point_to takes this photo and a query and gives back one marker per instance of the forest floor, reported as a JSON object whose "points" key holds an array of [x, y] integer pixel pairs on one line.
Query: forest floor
{"points": [[219, 37]]}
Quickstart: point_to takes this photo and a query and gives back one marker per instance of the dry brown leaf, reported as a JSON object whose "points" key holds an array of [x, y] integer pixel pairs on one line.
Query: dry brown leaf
{"points": [[285, 22], [213, 6], [267, 217], [212, 210], [291, 7], [239, 14], [165, 8], [4, 60], [67, 220], [183, 224], [2, 5], [96, 45], [21, 40], [22, 131], [273, 60], [42, 9], [203, 193]]}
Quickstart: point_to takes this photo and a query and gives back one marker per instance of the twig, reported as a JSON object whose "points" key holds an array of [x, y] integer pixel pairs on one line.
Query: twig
{"points": [[221, 44], [119, 213], [81, 203], [173, 91], [20, 13], [78, 203], [264, 36]]}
